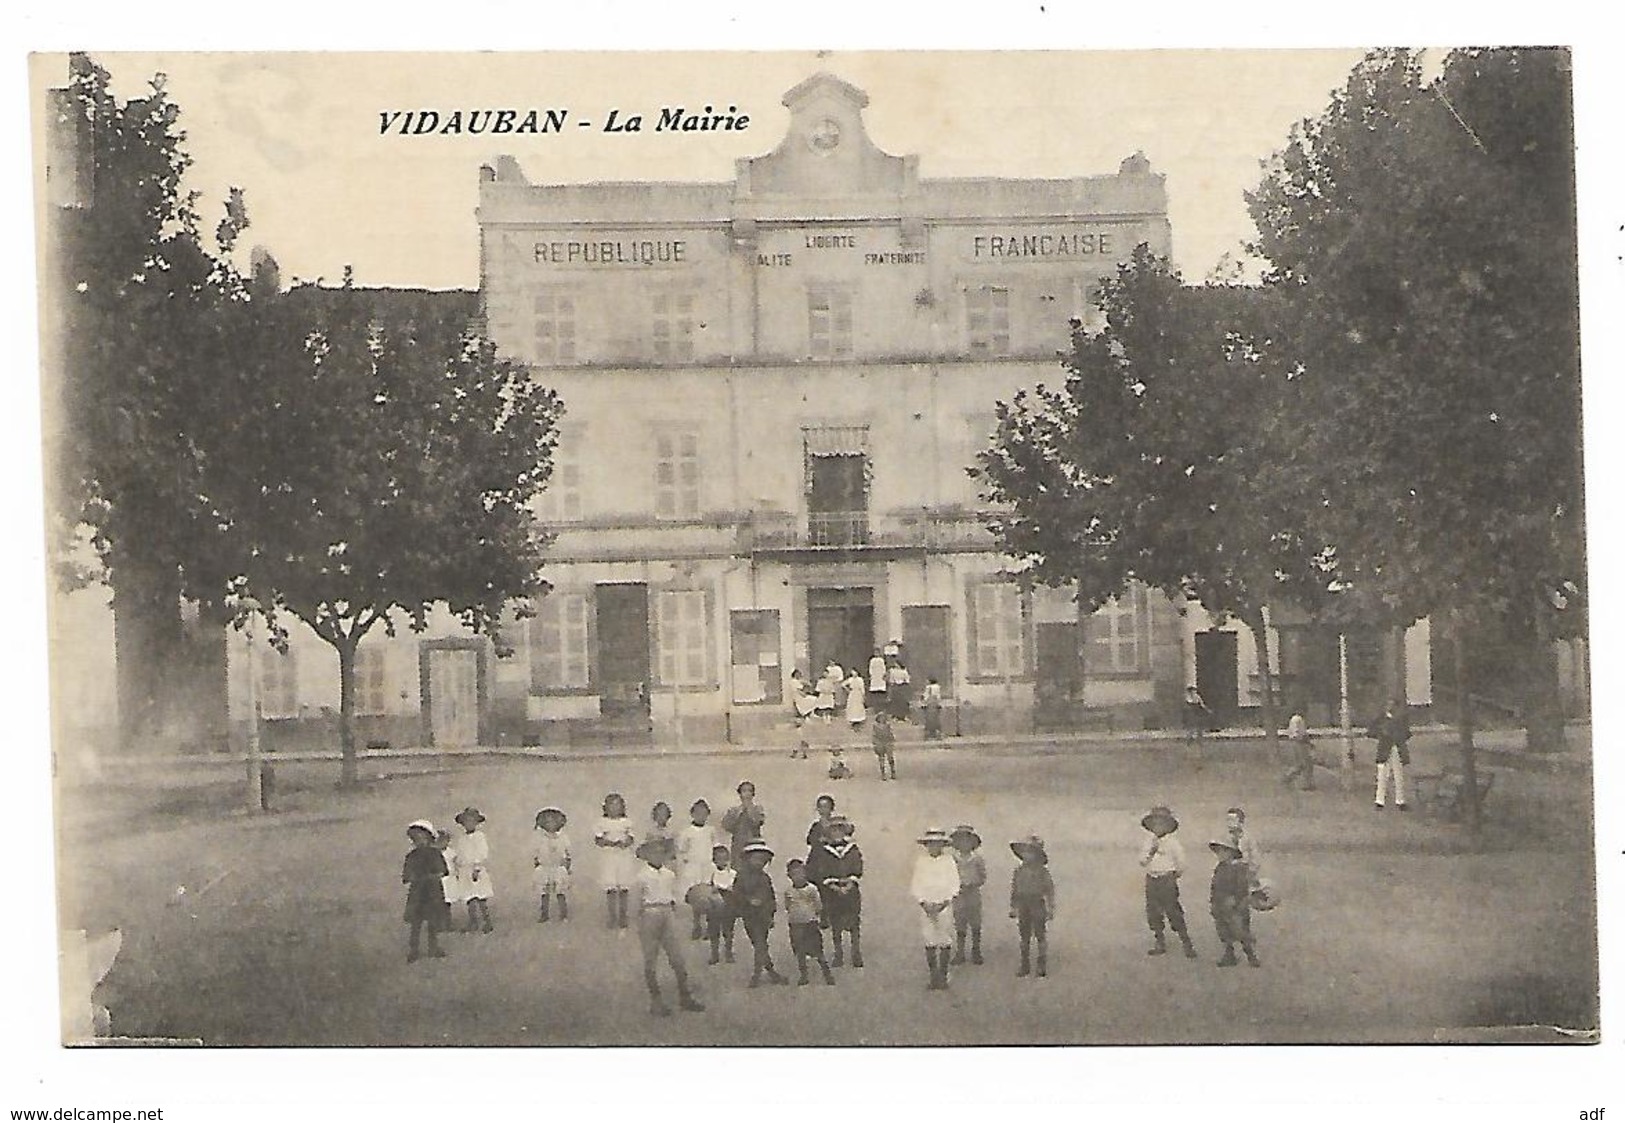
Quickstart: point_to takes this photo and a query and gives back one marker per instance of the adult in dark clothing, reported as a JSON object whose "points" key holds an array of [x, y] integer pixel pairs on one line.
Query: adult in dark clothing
{"points": [[1392, 732], [743, 822]]}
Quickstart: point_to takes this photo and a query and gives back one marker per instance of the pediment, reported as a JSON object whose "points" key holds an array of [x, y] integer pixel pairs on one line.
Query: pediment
{"points": [[826, 151]]}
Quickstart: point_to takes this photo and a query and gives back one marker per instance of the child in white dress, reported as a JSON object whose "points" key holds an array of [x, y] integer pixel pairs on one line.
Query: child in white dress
{"points": [[552, 857], [472, 866], [614, 838]]}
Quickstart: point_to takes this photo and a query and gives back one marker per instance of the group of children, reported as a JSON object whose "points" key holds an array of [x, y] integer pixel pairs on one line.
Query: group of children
{"points": [[722, 876], [1236, 887], [948, 889], [443, 869]]}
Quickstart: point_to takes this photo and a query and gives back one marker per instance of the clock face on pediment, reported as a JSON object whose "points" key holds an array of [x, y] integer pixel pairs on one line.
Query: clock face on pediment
{"points": [[824, 137]]}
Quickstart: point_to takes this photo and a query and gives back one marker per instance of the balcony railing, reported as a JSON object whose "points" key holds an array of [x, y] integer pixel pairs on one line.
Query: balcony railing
{"points": [[846, 530]]}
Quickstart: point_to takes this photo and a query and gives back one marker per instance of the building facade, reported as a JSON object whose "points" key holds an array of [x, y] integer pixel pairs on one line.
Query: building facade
{"points": [[773, 387]]}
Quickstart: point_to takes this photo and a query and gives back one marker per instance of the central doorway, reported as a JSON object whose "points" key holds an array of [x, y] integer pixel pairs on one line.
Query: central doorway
{"points": [[840, 627], [622, 613]]}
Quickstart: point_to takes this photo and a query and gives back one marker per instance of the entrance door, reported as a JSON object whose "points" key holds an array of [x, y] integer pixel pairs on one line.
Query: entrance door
{"points": [[926, 640], [623, 649], [1059, 682], [840, 626], [1217, 675], [454, 701]]}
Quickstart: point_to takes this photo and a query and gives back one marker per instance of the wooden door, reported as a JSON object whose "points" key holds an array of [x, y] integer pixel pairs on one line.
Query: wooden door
{"points": [[454, 701]]}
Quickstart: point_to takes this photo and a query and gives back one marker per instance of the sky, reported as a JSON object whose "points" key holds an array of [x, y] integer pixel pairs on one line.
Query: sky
{"points": [[300, 133]]}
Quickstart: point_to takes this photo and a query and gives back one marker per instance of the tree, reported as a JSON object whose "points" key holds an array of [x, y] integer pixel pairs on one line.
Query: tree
{"points": [[133, 295], [1157, 461], [382, 460], [1421, 234]]}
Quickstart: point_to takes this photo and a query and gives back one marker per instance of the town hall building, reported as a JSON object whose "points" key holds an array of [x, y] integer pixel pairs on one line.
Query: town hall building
{"points": [[773, 386]]}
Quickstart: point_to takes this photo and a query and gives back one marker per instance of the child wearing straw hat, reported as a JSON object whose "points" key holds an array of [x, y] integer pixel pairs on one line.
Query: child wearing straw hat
{"points": [[1032, 902], [968, 904], [1228, 902], [657, 923], [1163, 860], [472, 863], [934, 886], [550, 855], [422, 874], [755, 905]]}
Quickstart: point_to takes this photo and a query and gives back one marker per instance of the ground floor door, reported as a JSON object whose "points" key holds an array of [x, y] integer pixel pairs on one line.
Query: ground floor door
{"points": [[1058, 685], [622, 617], [840, 628], [928, 646], [454, 700], [1217, 674]]}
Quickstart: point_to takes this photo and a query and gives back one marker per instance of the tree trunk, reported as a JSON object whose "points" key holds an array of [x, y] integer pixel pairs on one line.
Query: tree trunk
{"points": [[1266, 678], [147, 642], [348, 770], [1542, 707], [1464, 723]]}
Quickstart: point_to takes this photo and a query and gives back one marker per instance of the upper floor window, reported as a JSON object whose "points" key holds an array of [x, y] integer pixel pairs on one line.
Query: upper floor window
{"points": [[555, 320], [560, 500], [677, 474], [987, 320], [829, 323], [673, 329]]}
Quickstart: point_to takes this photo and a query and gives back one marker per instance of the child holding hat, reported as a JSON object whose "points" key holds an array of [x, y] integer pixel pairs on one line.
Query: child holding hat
{"points": [[934, 887], [472, 863], [551, 856], [1032, 902], [968, 904], [421, 873], [1163, 860], [1228, 901]]}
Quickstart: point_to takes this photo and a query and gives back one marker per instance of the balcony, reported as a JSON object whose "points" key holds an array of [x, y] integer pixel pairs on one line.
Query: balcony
{"points": [[904, 530]]}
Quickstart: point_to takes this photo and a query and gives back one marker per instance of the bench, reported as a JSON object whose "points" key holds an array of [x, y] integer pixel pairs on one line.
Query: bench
{"points": [[1445, 793]]}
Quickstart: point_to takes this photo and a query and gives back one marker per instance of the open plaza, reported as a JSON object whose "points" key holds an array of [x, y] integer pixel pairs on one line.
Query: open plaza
{"points": [[284, 927]]}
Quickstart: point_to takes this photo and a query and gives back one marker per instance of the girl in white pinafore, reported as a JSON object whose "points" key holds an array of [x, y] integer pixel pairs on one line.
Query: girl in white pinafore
{"points": [[614, 838], [551, 855], [472, 866]]}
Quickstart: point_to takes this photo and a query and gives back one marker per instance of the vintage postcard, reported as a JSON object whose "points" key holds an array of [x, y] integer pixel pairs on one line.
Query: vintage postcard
{"points": [[816, 549]]}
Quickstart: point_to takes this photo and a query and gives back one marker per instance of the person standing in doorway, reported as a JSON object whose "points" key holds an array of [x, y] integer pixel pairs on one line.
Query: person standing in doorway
{"points": [[877, 681]]}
